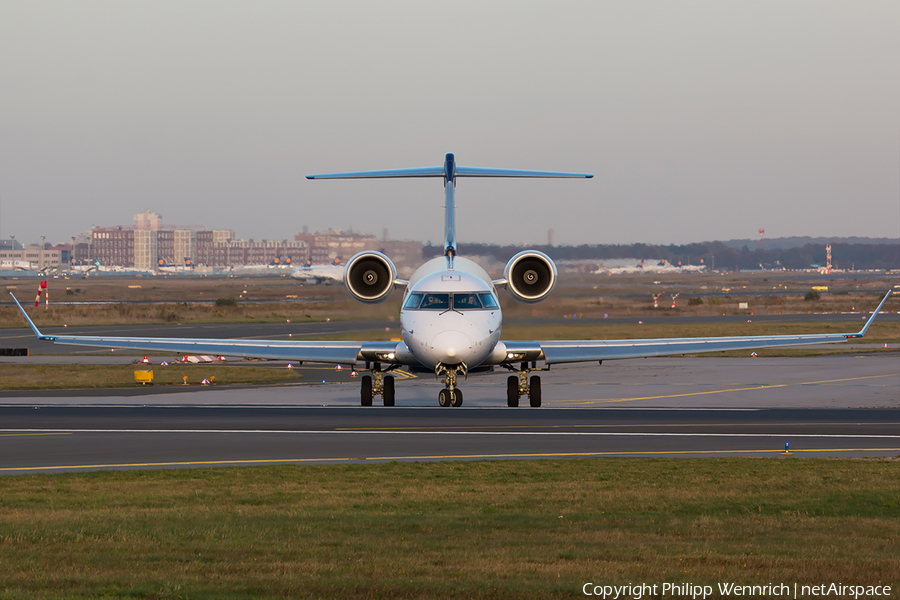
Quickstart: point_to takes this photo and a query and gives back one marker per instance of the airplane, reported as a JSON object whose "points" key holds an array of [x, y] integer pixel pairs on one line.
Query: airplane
{"points": [[450, 317], [19, 265], [280, 262], [319, 274], [163, 266]]}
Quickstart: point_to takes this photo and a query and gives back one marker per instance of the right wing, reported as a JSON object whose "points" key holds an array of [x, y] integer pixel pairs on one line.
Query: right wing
{"points": [[345, 353], [571, 351]]}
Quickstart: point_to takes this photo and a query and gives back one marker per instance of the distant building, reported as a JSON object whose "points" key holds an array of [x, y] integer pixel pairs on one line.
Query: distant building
{"points": [[148, 220], [114, 246], [325, 247], [38, 257]]}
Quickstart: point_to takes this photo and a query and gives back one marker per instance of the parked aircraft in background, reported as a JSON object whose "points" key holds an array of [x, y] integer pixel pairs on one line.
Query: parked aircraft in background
{"points": [[450, 317], [163, 266], [18, 265], [97, 267], [280, 262], [319, 274]]}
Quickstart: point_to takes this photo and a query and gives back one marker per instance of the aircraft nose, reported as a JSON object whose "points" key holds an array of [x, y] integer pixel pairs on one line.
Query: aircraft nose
{"points": [[451, 347]]}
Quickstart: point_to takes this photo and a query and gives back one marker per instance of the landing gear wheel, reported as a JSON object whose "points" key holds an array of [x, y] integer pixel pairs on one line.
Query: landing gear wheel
{"points": [[388, 390], [444, 397], [512, 391], [535, 394], [366, 390], [456, 398]]}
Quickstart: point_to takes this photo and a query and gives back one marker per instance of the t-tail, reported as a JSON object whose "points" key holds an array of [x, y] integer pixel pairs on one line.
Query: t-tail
{"points": [[450, 171]]}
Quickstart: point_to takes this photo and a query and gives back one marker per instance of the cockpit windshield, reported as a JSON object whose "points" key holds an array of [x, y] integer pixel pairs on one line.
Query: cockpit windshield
{"points": [[458, 300], [436, 302], [463, 301], [413, 301], [488, 301]]}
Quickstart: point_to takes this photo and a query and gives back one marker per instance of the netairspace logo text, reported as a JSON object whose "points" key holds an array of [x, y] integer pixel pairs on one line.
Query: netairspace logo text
{"points": [[723, 590]]}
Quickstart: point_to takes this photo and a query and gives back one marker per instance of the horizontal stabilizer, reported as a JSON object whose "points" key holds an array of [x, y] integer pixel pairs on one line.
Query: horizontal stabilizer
{"points": [[448, 171], [487, 172], [418, 172]]}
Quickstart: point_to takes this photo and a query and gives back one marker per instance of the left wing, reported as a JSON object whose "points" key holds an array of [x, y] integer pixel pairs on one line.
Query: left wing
{"points": [[565, 351], [346, 353]]}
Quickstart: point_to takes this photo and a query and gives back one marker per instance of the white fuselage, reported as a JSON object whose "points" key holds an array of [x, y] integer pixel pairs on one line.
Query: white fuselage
{"points": [[450, 317]]}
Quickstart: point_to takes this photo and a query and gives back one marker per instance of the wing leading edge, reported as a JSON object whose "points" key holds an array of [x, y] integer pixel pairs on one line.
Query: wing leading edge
{"points": [[559, 352], [323, 352]]}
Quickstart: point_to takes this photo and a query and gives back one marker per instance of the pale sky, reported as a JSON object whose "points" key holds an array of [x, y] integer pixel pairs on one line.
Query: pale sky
{"points": [[700, 120]]}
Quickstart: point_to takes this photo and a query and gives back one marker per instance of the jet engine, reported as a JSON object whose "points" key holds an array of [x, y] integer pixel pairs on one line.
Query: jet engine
{"points": [[369, 277], [530, 276]]}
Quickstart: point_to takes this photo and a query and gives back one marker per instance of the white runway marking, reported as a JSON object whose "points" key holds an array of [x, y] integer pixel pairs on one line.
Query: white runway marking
{"points": [[504, 433]]}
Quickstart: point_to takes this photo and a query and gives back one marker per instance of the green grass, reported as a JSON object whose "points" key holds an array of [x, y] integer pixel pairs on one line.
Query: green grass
{"points": [[502, 529], [55, 377]]}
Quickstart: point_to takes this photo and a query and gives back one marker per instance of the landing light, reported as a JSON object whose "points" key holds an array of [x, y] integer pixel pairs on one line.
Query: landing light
{"points": [[515, 355]]}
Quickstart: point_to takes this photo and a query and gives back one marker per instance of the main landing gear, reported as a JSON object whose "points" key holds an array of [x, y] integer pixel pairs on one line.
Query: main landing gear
{"points": [[450, 395], [518, 386], [376, 385]]}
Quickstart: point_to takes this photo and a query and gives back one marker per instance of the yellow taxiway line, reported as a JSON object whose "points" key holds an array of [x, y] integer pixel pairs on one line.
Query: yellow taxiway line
{"points": [[745, 389]]}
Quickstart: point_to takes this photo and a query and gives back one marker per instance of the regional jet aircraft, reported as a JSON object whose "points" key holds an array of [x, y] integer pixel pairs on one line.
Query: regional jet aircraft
{"points": [[450, 317], [319, 274]]}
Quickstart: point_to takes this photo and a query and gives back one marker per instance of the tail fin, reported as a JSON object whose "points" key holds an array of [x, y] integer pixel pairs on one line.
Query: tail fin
{"points": [[449, 171]]}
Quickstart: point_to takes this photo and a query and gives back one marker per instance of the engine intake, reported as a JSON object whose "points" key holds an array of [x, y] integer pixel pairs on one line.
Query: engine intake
{"points": [[530, 276], [369, 277]]}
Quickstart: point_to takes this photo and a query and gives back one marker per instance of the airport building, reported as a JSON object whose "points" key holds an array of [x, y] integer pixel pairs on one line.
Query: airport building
{"points": [[149, 244], [325, 248], [34, 256]]}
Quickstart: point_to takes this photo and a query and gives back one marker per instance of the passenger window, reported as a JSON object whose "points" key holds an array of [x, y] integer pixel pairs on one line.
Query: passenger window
{"points": [[464, 301], [488, 301], [413, 301], [436, 301]]}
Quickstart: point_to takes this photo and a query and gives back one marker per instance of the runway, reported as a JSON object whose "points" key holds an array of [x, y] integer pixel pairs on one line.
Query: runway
{"points": [[54, 439], [823, 406]]}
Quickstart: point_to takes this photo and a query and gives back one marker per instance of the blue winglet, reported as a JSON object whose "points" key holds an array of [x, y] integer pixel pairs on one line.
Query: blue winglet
{"points": [[869, 321], [34, 328]]}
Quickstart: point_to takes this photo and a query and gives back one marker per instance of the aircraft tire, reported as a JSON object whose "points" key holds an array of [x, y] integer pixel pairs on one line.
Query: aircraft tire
{"points": [[456, 398], [534, 395], [366, 390], [388, 393], [512, 391], [444, 397]]}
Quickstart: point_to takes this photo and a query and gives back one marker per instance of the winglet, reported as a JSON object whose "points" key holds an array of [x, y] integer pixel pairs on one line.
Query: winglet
{"points": [[34, 328], [865, 328]]}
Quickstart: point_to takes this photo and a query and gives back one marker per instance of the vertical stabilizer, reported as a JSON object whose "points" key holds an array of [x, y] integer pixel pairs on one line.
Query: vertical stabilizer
{"points": [[450, 171], [449, 208]]}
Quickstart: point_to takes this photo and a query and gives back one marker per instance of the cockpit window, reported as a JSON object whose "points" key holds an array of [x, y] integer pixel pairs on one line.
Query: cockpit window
{"points": [[413, 301], [436, 302], [459, 301], [488, 301], [465, 301]]}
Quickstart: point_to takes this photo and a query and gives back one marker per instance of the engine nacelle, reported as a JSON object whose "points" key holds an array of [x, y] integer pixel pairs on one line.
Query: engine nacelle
{"points": [[530, 276], [369, 277]]}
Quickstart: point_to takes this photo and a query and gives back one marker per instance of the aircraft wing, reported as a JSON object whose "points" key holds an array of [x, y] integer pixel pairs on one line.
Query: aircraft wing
{"points": [[346, 353], [565, 351]]}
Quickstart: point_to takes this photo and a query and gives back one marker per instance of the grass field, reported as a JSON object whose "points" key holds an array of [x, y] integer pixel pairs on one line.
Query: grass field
{"points": [[272, 299], [504, 529], [55, 377]]}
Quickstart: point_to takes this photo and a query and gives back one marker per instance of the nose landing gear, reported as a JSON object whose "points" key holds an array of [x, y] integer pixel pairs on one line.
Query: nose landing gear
{"points": [[516, 387], [450, 395]]}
